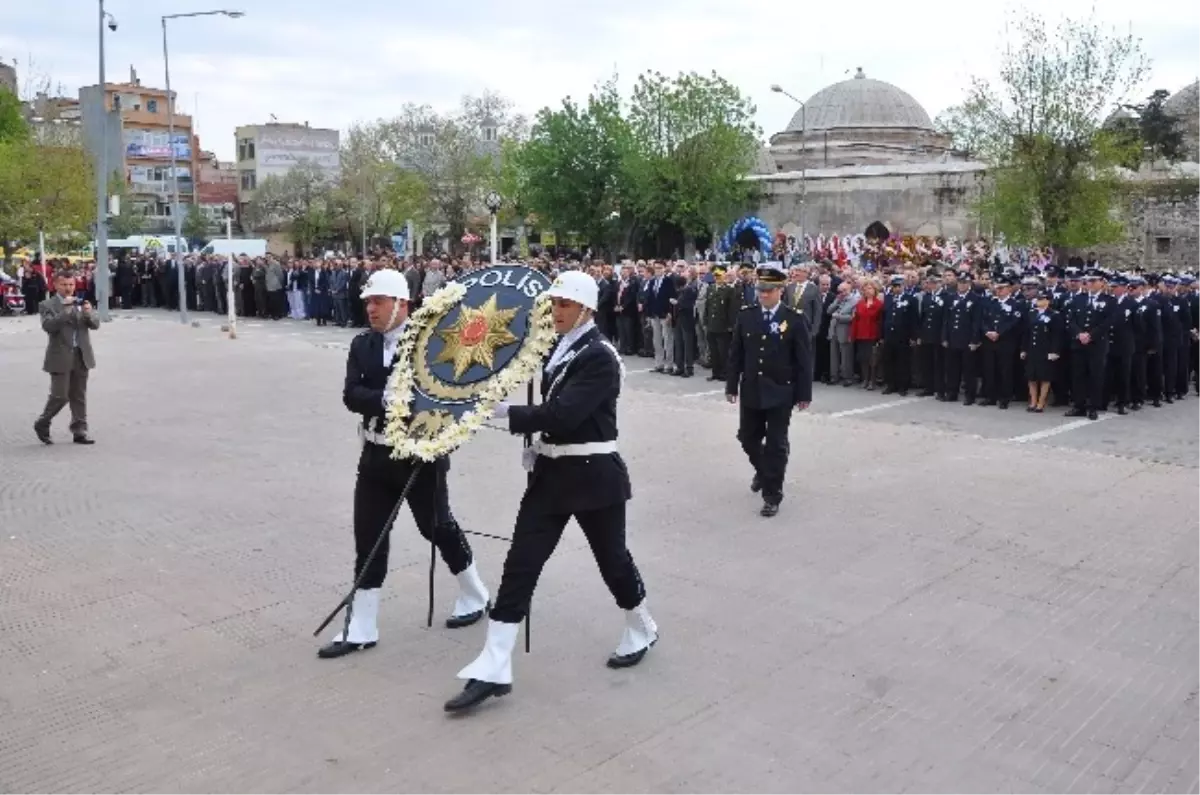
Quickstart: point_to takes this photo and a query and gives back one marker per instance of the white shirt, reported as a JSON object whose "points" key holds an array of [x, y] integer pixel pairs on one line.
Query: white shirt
{"points": [[391, 341], [566, 341]]}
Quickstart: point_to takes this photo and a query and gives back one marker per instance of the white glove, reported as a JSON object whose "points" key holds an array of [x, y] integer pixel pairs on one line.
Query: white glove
{"points": [[528, 458], [501, 410]]}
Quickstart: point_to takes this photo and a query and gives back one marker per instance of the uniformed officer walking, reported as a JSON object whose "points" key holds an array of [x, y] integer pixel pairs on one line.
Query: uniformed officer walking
{"points": [[577, 472], [770, 368], [381, 478]]}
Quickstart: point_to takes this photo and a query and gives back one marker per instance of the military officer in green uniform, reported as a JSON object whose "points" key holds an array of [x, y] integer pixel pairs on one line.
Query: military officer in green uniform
{"points": [[720, 313], [770, 368]]}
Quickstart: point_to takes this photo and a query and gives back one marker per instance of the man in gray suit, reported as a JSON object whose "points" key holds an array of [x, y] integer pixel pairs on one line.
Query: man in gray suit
{"points": [[68, 322], [803, 295]]}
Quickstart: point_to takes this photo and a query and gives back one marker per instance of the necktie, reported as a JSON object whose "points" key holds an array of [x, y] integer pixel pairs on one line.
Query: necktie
{"points": [[766, 317]]}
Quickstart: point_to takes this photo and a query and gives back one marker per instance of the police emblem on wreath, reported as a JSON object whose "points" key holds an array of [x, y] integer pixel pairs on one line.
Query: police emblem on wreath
{"points": [[469, 345]]}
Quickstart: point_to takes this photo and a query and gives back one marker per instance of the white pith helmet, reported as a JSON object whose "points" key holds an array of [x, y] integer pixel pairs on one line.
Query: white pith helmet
{"points": [[575, 286], [387, 283]]}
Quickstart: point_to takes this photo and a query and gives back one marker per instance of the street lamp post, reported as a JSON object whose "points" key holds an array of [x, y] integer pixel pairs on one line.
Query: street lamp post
{"points": [[493, 201], [227, 209], [182, 282], [803, 155], [102, 277]]}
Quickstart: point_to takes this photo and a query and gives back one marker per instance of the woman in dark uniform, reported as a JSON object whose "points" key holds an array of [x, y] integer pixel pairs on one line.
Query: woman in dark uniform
{"points": [[1041, 345]]}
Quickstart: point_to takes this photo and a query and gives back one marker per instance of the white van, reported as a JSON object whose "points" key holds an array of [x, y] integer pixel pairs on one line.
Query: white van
{"points": [[250, 247]]}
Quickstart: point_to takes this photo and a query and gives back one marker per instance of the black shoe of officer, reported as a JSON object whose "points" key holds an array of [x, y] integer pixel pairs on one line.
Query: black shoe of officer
{"points": [[337, 648], [1092, 415], [1074, 413], [770, 507], [1156, 403], [755, 484], [1121, 410], [474, 694]]}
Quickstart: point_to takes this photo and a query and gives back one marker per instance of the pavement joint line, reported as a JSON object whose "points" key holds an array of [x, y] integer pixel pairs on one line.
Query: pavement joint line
{"points": [[1068, 426], [702, 394], [877, 407], [643, 370]]}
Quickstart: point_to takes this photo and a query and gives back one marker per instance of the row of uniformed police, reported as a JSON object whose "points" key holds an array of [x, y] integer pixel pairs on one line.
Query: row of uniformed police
{"points": [[1098, 338]]}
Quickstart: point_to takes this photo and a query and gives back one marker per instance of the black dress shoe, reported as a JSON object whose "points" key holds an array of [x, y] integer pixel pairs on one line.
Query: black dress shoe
{"points": [[1092, 415], [1121, 410], [1031, 409], [43, 434], [458, 622], [769, 509], [926, 393], [83, 440], [1074, 413], [1157, 404], [887, 391], [475, 693], [1003, 404], [339, 648], [628, 660], [755, 484]]}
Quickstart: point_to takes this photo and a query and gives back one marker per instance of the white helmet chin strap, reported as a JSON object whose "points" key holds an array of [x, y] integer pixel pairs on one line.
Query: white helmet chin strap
{"points": [[391, 324]]}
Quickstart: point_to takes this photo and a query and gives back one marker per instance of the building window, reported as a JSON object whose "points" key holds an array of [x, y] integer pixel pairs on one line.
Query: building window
{"points": [[116, 102], [246, 149], [152, 106], [1162, 245], [426, 139], [489, 133], [249, 180]]}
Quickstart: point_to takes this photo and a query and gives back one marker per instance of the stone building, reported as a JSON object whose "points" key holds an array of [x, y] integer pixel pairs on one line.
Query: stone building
{"points": [[863, 152]]}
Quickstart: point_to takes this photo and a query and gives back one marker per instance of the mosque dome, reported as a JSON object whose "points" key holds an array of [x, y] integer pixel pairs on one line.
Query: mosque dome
{"points": [[860, 103]]}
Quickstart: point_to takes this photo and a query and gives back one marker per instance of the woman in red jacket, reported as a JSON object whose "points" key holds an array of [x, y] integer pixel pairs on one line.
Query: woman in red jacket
{"points": [[866, 329]]}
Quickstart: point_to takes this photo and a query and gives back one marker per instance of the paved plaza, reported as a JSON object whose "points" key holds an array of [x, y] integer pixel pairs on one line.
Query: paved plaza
{"points": [[951, 598]]}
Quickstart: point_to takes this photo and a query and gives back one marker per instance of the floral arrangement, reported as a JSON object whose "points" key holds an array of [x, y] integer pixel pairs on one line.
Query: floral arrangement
{"points": [[471, 239], [450, 435]]}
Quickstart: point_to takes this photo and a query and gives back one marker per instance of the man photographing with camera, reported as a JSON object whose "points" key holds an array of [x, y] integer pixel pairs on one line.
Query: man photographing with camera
{"points": [[68, 322]]}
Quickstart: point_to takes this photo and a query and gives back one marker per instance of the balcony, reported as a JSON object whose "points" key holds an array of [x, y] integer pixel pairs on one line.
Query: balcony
{"points": [[144, 118]]}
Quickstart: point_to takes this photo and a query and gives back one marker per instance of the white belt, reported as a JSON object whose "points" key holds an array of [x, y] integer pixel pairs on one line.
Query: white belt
{"points": [[570, 450]]}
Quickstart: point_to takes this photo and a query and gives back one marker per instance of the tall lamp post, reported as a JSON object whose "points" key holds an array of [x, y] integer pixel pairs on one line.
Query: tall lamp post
{"points": [[778, 89], [183, 315], [102, 276], [493, 201], [227, 209]]}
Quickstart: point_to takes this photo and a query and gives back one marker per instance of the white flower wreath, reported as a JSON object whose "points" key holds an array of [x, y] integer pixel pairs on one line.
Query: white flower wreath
{"points": [[523, 366]]}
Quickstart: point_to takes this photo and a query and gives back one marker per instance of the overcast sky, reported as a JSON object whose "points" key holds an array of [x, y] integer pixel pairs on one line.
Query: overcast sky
{"points": [[333, 63]]}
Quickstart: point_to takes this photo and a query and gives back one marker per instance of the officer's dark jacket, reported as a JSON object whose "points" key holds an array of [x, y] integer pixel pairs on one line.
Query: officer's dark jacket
{"points": [[1081, 318], [901, 316], [771, 368], [961, 324], [1172, 328], [932, 309], [1042, 334], [1002, 317], [579, 406], [1148, 333], [1124, 333], [366, 379]]}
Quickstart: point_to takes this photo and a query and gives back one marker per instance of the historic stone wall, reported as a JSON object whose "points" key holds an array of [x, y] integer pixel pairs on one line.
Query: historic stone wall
{"points": [[1161, 234], [908, 200]]}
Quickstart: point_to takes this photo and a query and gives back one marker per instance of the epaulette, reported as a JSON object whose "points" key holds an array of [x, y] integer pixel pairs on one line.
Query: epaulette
{"points": [[747, 306]]}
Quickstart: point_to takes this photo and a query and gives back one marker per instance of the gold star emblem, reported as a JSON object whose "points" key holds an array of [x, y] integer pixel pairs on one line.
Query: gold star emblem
{"points": [[475, 336]]}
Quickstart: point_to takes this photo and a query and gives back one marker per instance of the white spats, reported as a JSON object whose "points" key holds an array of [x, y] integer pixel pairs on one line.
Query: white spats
{"points": [[472, 593], [494, 663], [363, 618], [640, 631]]}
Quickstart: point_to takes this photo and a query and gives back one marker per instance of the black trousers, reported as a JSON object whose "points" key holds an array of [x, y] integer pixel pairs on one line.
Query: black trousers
{"points": [[960, 370], [380, 481], [1137, 377], [764, 437], [997, 370], [537, 534], [1154, 375], [1087, 375], [718, 352], [1183, 367], [1170, 370], [931, 365], [1119, 372], [897, 364], [1061, 385], [821, 359], [685, 343], [627, 338]]}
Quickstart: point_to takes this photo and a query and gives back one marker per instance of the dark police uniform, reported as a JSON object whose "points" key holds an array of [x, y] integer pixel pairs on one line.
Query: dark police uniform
{"points": [[380, 481], [1042, 336], [720, 314], [1122, 346], [577, 473], [1001, 316], [1092, 314], [930, 356], [1147, 340], [960, 338], [900, 320], [1172, 333], [770, 369]]}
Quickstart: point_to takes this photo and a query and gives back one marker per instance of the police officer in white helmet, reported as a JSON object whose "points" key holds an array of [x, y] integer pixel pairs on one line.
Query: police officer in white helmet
{"points": [[576, 472], [381, 479]]}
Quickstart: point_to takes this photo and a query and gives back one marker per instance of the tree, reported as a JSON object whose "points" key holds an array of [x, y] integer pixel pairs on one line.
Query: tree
{"points": [[297, 202], [1160, 131], [569, 172], [373, 190], [12, 119], [694, 140], [1053, 178], [195, 225], [42, 189], [963, 123], [457, 155]]}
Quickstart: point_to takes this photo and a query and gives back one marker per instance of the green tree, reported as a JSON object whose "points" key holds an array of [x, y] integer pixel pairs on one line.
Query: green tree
{"points": [[693, 141], [42, 189], [373, 189], [195, 225], [1053, 178], [298, 202], [12, 118], [1160, 131], [570, 171], [126, 222]]}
